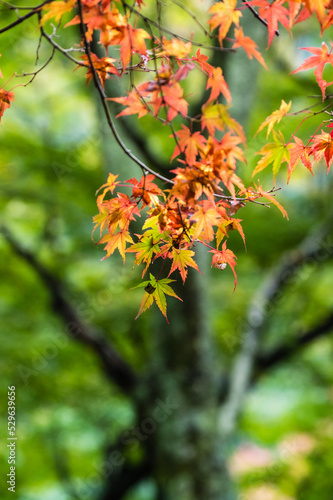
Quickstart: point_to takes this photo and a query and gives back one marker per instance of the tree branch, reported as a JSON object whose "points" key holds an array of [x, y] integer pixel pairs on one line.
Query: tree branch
{"points": [[283, 352], [266, 300], [25, 17], [117, 370]]}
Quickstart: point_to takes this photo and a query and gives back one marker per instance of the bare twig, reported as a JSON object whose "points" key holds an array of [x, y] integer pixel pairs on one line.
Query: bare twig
{"points": [[25, 17], [255, 13]]}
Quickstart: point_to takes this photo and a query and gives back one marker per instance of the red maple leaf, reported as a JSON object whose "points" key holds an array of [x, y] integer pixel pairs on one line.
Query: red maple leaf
{"points": [[5, 101], [323, 147], [223, 257], [201, 59], [273, 13], [320, 58], [299, 152]]}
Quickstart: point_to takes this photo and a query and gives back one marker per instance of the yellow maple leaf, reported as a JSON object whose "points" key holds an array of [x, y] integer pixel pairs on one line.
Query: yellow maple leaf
{"points": [[275, 117], [57, 10]]}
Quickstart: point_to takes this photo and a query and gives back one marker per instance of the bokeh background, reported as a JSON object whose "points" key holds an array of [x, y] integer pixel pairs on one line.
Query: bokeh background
{"points": [[56, 151]]}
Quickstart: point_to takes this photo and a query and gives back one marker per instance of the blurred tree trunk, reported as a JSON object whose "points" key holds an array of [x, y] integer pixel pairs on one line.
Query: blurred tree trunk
{"points": [[186, 450]]}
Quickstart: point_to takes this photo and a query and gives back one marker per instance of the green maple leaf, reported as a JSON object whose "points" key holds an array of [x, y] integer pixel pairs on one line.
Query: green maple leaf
{"points": [[275, 152], [155, 290]]}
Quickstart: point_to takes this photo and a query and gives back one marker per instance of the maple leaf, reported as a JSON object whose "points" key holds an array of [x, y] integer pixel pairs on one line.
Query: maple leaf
{"points": [[229, 225], [299, 152], [57, 10], [201, 59], [275, 152], [172, 97], [134, 102], [176, 48], [319, 60], [5, 101], [205, 218], [183, 71], [188, 143], [110, 185], [323, 147], [146, 247], [146, 190], [248, 45], [317, 6], [271, 198], [223, 257], [218, 85], [181, 258], [121, 211], [273, 13], [116, 241], [133, 42], [224, 14], [103, 67], [155, 290], [216, 116], [275, 117]]}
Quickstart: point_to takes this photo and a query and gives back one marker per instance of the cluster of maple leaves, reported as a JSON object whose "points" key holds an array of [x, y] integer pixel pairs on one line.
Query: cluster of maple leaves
{"points": [[199, 202]]}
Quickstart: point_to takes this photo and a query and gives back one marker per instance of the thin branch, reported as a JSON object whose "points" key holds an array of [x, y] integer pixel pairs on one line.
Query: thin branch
{"points": [[180, 37], [117, 370], [25, 17], [103, 98], [194, 17], [255, 13], [285, 351]]}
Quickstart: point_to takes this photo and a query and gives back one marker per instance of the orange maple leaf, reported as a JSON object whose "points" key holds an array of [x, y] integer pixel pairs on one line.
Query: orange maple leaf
{"points": [[181, 258], [103, 66], [275, 117], [201, 59], [134, 102], [273, 13], [133, 42], [146, 190], [248, 45], [323, 147], [217, 83], [317, 6], [224, 14], [5, 101], [176, 48], [205, 218], [319, 60], [188, 143], [116, 241], [271, 198]]}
